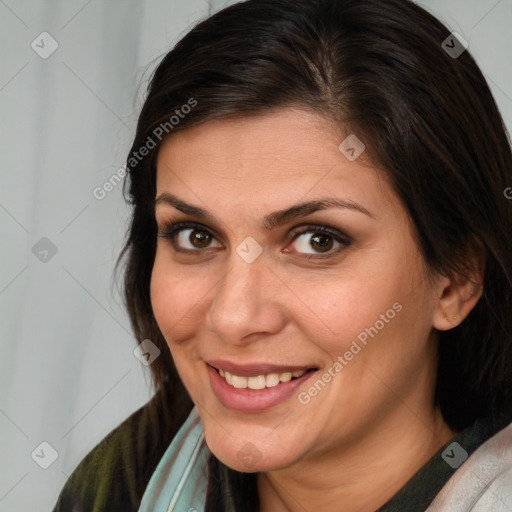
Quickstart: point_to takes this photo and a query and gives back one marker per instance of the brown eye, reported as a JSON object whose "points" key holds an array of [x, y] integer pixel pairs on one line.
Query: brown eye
{"points": [[319, 240], [188, 236], [321, 243], [194, 239], [200, 239]]}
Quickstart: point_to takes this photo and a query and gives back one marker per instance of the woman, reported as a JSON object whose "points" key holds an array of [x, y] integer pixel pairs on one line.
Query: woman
{"points": [[320, 251]]}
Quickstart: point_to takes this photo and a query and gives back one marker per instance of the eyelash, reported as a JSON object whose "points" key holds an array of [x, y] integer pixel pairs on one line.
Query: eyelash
{"points": [[171, 229]]}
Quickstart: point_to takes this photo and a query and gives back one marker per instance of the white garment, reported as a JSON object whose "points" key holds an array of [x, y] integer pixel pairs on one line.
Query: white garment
{"points": [[484, 482]]}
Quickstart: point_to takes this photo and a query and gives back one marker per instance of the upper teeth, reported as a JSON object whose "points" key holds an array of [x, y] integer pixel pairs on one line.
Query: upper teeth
{"points": [[261, 381]]}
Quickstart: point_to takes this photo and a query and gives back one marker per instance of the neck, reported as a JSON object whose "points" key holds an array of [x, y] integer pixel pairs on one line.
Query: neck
{"points": [[382, 461]]}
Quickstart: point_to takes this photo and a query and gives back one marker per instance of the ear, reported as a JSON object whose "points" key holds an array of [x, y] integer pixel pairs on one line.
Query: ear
{"points": [[458, 295]]}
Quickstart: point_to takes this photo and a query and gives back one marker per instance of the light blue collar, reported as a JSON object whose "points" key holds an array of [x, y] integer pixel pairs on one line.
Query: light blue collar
{"points": [[180, 480]]}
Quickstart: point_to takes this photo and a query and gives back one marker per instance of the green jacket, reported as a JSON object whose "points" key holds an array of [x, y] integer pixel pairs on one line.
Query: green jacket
{"points": [[115, 473]]}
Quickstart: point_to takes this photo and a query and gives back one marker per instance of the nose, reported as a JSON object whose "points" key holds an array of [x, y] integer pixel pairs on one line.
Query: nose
{"points": [[247, 303]]}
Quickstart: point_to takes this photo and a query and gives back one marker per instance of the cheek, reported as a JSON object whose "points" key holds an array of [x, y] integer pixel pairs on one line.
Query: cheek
{"points": [[178, 298], [353, 296], [176, 302], [346, 311], [383, 296]]}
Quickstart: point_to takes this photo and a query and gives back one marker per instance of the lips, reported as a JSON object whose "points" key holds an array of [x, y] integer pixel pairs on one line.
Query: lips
{"points": [[255, 369], [254, 400]]}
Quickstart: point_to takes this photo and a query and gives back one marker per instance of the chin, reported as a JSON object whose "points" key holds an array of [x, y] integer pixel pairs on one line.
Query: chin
{"points": [[246, 457]]}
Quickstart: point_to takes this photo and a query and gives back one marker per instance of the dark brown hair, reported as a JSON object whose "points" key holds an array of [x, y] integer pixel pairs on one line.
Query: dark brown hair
{"points": [[428, 121]]}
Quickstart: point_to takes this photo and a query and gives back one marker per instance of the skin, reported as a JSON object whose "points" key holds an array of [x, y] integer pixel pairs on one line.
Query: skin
{"points": [[374, 424]]}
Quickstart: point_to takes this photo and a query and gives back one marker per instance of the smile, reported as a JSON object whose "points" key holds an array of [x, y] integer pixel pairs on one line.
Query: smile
{"points": [[263, 381], [260, 390]]}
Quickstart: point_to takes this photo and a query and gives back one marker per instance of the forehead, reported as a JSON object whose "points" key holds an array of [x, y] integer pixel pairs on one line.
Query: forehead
{"points": [[284, 155]]}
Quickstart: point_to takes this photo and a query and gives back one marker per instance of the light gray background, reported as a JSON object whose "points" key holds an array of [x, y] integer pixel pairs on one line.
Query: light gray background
{"points": [[67, 370]]}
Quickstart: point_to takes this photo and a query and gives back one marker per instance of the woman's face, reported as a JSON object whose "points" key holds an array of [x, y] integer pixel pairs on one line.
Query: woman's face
{"points": [[262, 294]]}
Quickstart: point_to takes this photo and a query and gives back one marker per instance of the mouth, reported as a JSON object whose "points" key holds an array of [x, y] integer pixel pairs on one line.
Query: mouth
{"points": [[261, 388], [262, 381]]}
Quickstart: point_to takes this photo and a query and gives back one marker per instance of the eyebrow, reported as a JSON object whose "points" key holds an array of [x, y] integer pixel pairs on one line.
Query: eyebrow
{"points": [[270, 221]]}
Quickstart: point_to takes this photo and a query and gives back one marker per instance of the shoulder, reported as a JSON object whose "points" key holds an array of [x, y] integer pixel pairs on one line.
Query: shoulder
{"points": [[114, 474], [484, 481]]}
